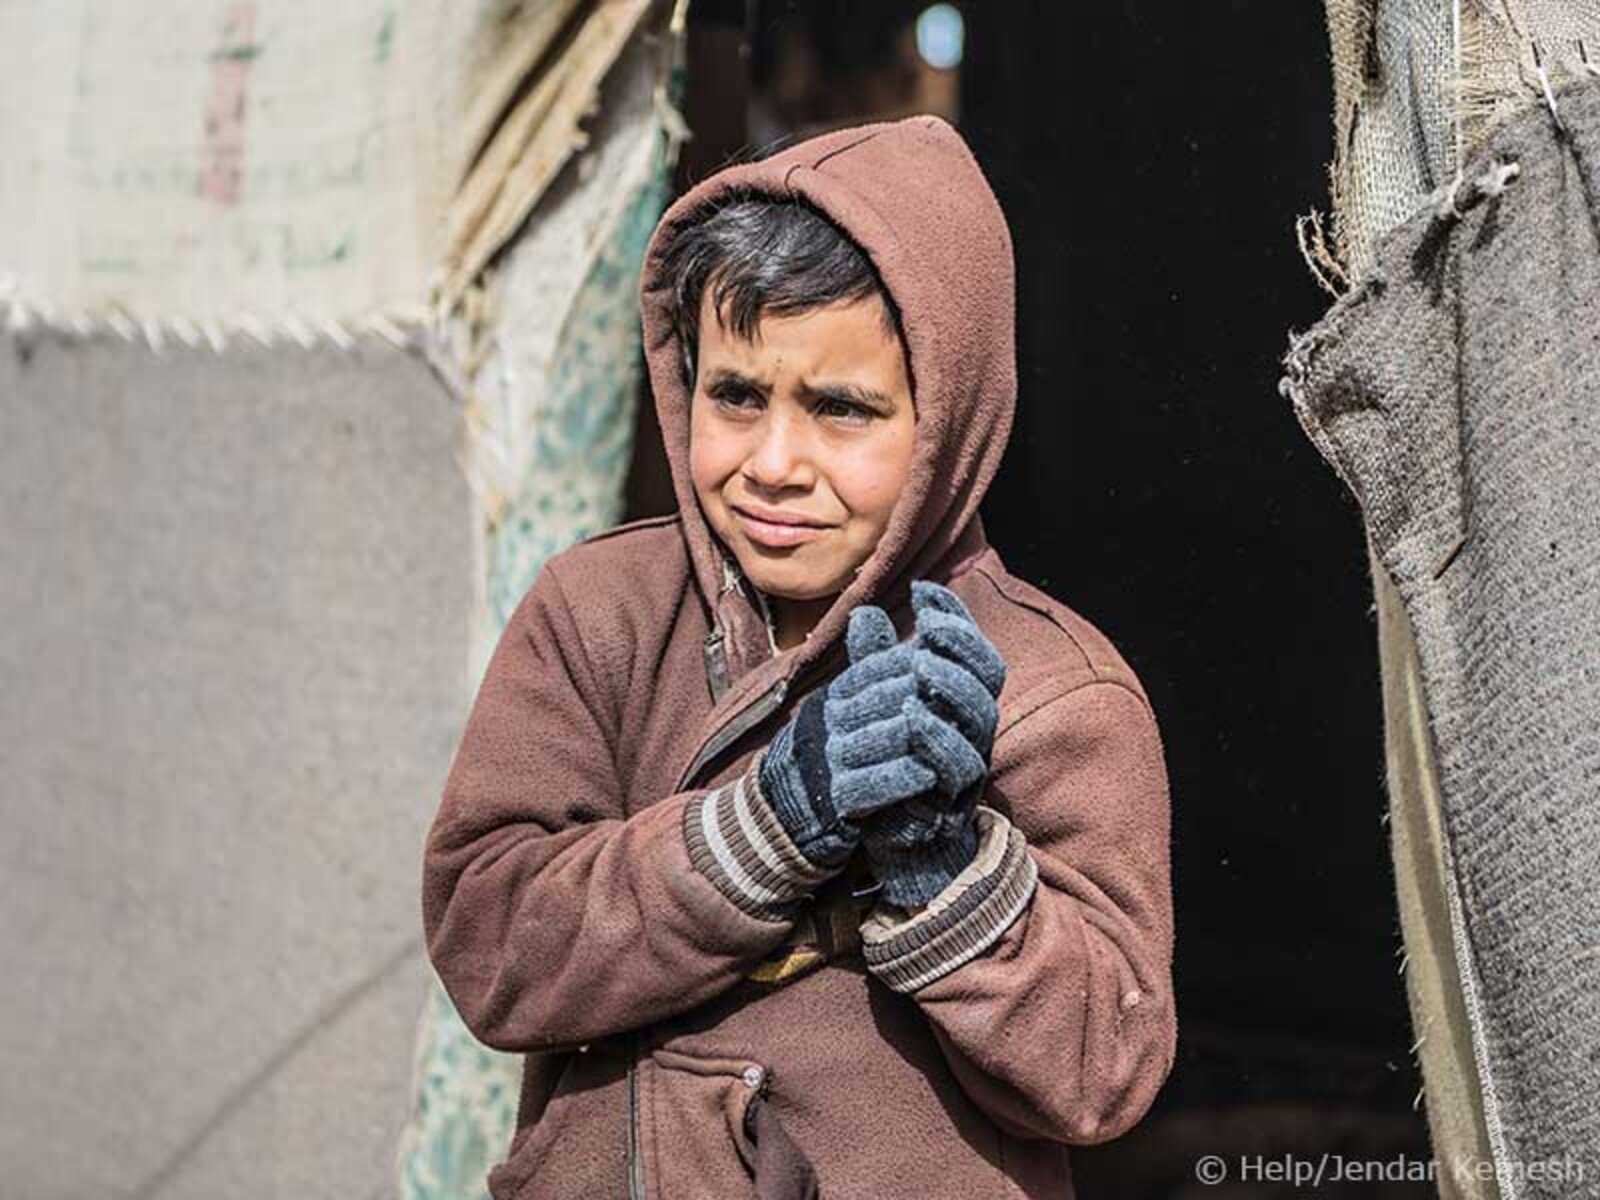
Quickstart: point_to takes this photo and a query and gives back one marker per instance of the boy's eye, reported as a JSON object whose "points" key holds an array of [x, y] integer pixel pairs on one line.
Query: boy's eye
{"points": [[846, 410], [735, 398]]}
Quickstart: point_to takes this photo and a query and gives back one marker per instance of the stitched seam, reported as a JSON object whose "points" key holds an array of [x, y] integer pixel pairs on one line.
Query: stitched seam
{"points": [[891, 245], [1073, 691], [834, 153], [994, 582]]}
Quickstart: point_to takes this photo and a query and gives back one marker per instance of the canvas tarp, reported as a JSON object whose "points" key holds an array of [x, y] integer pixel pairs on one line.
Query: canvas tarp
{"points": [[551, 415], [233, 635], [1418, 85], [320, 162]]}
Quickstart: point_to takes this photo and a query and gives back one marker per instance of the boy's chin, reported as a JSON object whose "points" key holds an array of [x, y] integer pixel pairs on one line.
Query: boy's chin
{"points": [[795, 580]]}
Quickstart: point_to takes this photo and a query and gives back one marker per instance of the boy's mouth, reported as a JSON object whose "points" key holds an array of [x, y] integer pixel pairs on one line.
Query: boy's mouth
{"points": [[775, 528]]}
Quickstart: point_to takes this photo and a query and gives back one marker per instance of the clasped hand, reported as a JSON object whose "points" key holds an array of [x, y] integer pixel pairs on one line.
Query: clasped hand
{"points": [[915, 716], [894, 750]]}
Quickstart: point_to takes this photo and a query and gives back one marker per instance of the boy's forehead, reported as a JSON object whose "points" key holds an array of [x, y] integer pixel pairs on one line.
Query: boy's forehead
{"points": [[839, 342], [862, 319]]}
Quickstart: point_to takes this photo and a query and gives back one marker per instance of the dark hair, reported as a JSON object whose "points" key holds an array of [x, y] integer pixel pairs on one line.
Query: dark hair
{"points": [[764, 254]]}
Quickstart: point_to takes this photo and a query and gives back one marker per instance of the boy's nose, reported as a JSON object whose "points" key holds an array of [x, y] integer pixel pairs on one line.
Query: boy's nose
{"points": [[782, 457]]}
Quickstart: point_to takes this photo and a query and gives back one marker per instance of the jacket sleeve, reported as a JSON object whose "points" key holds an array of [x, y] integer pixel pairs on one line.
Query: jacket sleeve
{"points": [[553, 918], [1044, 969]]}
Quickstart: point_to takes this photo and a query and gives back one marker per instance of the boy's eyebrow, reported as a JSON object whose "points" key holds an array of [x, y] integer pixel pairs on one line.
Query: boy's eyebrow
{"points": [[853, 392], [729, 375]]}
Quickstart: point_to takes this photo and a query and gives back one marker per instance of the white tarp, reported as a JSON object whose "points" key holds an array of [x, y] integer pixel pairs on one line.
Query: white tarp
{"points": [[202, 158]]}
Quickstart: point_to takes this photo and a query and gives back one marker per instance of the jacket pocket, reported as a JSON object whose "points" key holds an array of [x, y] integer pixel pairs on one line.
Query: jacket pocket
{"points": [[694, 1124]]}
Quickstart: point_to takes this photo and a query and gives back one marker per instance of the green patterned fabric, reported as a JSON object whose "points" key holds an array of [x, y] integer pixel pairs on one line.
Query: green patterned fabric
{"points": [[464, 1112], [581, 452], [465, 1108]]}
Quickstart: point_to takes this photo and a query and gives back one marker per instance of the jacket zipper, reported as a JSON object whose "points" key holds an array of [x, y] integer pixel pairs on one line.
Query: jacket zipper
{"points": [[742, 722], [635, 1162], [766, 615], [716, 657]]}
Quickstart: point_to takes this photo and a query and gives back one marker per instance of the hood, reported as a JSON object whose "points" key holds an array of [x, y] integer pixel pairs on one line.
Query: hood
{"points": [[910, 193]]}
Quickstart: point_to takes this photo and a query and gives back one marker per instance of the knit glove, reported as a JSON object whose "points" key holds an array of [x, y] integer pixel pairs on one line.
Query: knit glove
{"points": [[847, 751], [917, 847]]}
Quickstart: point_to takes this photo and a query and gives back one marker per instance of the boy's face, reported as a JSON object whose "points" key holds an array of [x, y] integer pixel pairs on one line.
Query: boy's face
{"points": [[800, 442]]}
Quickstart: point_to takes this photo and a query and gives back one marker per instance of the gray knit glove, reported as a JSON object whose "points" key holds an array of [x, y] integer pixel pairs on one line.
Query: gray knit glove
{"points": [[917, 847], [847, 751]]}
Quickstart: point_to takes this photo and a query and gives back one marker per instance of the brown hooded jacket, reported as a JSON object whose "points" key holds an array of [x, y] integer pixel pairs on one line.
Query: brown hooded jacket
{"points": [[606, 890]]}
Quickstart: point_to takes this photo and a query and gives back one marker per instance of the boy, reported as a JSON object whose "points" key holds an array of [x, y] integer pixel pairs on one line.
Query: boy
{"points": [[798, 845]]}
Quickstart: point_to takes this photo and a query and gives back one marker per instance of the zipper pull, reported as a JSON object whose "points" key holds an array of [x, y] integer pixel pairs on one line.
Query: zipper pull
{"points": [[766, 615], [716, 658]]}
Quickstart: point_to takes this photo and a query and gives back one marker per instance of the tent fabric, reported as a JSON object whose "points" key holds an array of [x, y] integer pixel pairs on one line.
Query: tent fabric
{"points": [[293, 165], [1456, 391], [1419, 83], [1429, 912], [233, 633], [267, 495], [228, 157], [551, 406]]}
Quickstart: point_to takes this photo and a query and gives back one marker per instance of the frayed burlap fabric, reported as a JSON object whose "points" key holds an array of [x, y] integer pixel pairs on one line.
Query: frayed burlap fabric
{"points": [[1456, 391]]}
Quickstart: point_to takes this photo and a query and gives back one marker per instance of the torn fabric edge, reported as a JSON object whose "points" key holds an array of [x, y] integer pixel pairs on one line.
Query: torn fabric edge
{"points": [[1406, 481], [504, 347], [1419, 85], [533, 141], [401, 326], [1444, 1048]]}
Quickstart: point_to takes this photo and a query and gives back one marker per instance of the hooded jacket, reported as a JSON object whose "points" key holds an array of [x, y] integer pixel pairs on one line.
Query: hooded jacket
{"points": [[606, 890]]}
